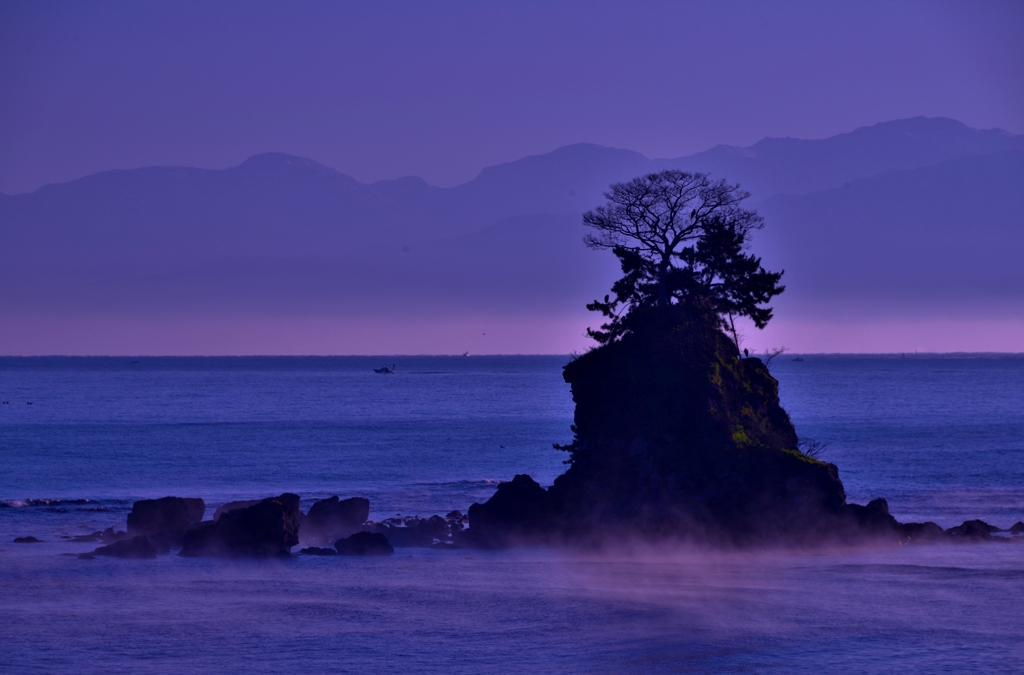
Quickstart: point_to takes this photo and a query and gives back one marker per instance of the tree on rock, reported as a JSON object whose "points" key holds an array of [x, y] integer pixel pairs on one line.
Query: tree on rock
{"points": [[675, 434], [681, 239]]}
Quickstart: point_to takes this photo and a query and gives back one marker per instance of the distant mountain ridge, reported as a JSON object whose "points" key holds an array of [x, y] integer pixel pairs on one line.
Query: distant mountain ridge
{"points": [[284, 231], [794, 166]]}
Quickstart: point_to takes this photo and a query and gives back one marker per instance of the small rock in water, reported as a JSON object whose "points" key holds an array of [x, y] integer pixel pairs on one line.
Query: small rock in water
{"points": [[364, 543], [972, 529], [95, 536], [165, 518], [27, 540], [922, 532], [86, 556], [331, 518], [316, 550], [110, 535], [1017, 528], [139, 547]]}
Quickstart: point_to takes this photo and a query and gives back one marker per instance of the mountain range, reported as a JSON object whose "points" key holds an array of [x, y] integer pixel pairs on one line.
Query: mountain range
{"points": [[921, 216]]}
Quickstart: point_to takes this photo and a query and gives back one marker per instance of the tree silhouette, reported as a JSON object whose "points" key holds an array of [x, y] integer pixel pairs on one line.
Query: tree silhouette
{"points": [[680, 239]]}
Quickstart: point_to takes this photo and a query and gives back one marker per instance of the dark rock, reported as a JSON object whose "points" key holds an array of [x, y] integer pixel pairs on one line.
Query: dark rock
{"points": [[204, 539], [314, 550], [1017, 528], [918, 533], [95, 536], [163, 520], [86, 556], [232, 506], [139, 547], [434, 527], [873, 520], [169, 516], [110, 535], [455, 515], [519, 509], [331, 519], [364, 543], [27, 540], [269, 527], [972, 530]]}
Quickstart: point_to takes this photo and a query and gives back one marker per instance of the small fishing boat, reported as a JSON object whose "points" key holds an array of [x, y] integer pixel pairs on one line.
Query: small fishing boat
{"points": [[385, 370]]}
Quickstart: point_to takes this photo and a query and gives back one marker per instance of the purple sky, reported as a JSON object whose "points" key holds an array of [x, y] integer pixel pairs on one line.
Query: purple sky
{"points": [[440, 90]]}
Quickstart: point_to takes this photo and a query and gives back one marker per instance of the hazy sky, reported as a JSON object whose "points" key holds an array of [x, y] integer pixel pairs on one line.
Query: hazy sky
{"points": [[442, 89]]}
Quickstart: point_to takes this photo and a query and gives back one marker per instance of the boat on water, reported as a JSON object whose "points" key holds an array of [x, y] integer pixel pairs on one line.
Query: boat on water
{"points": [[385, 370]]}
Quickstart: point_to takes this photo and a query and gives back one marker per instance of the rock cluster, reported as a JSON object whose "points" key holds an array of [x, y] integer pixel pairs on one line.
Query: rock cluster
{"points": [[264, 528], [520, 511], [420, 532]]}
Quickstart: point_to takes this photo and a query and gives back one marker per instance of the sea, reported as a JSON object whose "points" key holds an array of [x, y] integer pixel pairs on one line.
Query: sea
{"points": [[941, 437]]}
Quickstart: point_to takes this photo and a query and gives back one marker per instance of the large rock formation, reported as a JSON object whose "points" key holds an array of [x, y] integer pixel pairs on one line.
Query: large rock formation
{"points": [[677, 435], [267, 528]]}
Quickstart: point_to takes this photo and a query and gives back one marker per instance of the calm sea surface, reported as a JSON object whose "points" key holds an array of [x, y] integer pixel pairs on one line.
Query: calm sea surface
{"points": [[941, 438]]}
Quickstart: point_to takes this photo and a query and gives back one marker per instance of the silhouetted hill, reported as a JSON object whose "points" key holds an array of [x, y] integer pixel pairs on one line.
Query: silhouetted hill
{"points": [[271, 204], [792, 166], [568, 180]]}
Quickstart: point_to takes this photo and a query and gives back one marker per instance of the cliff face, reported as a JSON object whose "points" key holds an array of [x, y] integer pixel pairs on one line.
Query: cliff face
{"points": [[674, 432]]}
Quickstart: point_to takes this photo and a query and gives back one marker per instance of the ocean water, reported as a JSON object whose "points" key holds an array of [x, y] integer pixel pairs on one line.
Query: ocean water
{"points": [[941, 438]]}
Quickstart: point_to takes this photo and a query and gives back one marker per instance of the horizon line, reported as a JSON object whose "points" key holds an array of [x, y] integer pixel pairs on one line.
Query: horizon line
{"points": [[466, 355]]}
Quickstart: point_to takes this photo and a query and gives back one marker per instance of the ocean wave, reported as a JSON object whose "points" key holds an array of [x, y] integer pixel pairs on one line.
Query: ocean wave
{"points": [[22, 503], [464, 483]]}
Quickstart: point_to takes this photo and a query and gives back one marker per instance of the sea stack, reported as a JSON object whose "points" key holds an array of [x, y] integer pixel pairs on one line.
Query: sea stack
{"points": [[677, 435]]}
